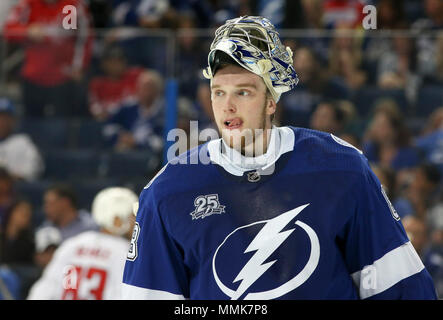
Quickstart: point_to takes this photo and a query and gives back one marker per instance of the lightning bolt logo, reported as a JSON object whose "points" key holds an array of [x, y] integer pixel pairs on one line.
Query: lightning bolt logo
{"points": [[265, 244]]}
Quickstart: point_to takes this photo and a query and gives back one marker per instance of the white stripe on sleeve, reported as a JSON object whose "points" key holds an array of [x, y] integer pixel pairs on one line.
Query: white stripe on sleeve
{"points": [[130, 292], [394, 266]]}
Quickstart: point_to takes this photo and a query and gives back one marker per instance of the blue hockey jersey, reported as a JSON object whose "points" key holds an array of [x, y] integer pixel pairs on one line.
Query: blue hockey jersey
{"points": [[317, 226]]}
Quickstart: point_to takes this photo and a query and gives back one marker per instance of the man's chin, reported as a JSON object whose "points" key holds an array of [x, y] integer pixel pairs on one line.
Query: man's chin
{"points": [[242, 140]]}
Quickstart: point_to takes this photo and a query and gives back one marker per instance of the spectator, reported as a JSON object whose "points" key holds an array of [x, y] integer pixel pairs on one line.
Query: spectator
{"points": [[421, 195], [190, 58], [139, 13], [274, 11], [433, 254], [434, 75], [387, 140], [390, 16], [308, 14], [118, 85], [55, 58], [9, 284], [140, 124], [314, 84], [430, 142], [47, 240], [426, 43], [62, 212], [18, 239], [7, 197], [5, 7], [18, 154], [202, 9], [433, 261], [434, 13], [437, 77], [434, 122], [224, 10], [342, 11], [435, 221], [17, 249], [417, 234], [186, 113], [203, 105], [386, 177], [328, 117], [424, 191], [345, 58], [396, 68], [353, 124], [351, 137]]}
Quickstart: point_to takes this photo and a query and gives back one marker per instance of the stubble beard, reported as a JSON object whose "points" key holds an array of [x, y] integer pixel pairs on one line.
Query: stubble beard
{"points": [[251, 142]]}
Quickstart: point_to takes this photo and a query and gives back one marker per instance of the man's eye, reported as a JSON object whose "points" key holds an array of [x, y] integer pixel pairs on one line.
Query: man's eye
{"points": [[244, 93], [218, 93]]}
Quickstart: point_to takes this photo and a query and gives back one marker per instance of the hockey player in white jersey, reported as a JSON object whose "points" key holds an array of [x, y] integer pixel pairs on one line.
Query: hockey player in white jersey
{"points": [[90, 265]]}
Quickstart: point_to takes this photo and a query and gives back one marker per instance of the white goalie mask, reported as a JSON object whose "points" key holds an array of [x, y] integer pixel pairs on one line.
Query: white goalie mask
{"points": [[255, 45], [114, 202]]}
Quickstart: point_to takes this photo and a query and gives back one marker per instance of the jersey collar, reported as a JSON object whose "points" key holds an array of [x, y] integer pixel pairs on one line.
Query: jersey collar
{"points": [[282, 141]]}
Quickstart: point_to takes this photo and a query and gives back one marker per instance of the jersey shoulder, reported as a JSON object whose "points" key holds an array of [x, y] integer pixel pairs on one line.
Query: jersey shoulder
{"points": [[186, 171], [325, 151], [88, 236]]}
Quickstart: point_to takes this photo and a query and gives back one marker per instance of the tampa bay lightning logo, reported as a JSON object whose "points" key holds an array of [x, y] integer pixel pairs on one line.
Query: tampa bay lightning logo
{"points": [[269, 239]]}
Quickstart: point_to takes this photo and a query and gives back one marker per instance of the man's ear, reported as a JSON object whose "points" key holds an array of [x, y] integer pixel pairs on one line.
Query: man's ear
{"points": [[271, 106]]}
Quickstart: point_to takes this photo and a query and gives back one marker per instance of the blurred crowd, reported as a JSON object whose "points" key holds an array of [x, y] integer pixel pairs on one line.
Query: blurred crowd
{"points": [[99, 87]]}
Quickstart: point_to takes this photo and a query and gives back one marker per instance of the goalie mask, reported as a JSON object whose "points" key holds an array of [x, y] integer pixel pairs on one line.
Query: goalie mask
{"points": [[114, 202], [254, 44]]}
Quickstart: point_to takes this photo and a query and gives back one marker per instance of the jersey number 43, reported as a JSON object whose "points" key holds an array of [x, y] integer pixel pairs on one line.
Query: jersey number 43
{"points": [[83, 283]]}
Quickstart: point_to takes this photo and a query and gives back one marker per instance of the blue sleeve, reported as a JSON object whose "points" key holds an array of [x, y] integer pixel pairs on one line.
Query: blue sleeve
{"points": [[154, 267], [381, 259]]}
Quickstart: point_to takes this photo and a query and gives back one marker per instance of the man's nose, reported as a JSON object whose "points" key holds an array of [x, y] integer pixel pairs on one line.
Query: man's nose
{"points": [[230, 105]]}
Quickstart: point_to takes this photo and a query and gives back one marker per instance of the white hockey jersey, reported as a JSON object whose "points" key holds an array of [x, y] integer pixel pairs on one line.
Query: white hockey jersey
{"points": [[86, 267]]}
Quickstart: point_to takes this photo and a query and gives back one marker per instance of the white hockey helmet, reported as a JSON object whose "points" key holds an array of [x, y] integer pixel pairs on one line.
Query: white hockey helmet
{"points": [[114, 202], [254, 43]]}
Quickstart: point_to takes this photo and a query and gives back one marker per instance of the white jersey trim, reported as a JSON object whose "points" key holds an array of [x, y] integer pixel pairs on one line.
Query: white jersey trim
{"points": [[156, 176], [130, 292], [285, 143], [394, 266]]}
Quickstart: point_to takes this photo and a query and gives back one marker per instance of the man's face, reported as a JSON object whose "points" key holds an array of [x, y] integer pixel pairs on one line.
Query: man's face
{"points": [[146, 88], [381, 128], [6, 124], [53, 206], [323, 119], [304, 63], [241, 107]]}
